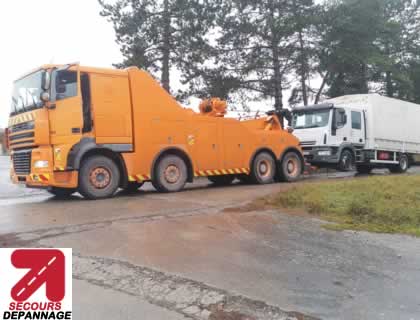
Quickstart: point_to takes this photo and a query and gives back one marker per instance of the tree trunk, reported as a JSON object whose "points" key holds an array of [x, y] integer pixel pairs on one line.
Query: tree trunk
{"points": [[166, 51], [278, 90], [303, 69], [321, 88], [389, 86]]}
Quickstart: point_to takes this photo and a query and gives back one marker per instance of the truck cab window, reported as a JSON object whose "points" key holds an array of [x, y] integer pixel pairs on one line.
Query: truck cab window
{"points": [[356, 120], [66, 84], [87, 115]]}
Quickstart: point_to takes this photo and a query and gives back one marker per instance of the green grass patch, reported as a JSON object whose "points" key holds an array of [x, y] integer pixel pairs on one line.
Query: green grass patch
{"points": [[376, 204]]}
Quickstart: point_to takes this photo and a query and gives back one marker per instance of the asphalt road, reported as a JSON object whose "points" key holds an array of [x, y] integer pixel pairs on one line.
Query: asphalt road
{"points": [[190, 255]]}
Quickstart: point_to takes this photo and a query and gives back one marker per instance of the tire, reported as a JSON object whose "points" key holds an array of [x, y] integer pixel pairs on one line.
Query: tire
{"points": [[263, 169], [133, 186], [221, 180], [170, 174], [290, 168], [99, 178], [346, 162], [363, 169], [61, 192], [402, 166]]}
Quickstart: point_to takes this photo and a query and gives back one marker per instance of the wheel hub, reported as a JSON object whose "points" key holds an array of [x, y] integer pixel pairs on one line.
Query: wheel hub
{"points": [[172, 174], [264, 168], [100, 177], [292, 167]]}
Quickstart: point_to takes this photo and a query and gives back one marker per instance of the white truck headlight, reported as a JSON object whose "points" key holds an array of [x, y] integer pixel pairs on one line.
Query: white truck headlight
{"points": [[41, 164], [324, 152]]}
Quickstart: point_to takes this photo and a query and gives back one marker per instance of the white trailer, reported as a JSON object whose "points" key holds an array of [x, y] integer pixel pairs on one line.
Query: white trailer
{"points": [[365, 131]]}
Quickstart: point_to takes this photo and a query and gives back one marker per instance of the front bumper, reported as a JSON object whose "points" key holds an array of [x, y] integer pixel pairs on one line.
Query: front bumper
{"points": [[319, 155], [43, 177]]}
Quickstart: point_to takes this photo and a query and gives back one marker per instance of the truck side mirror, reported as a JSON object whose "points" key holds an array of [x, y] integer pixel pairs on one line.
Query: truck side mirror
{"points": [[46, 81]]}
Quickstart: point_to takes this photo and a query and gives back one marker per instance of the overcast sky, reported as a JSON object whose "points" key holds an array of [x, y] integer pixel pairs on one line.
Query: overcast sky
{"points": [[35, 32]]}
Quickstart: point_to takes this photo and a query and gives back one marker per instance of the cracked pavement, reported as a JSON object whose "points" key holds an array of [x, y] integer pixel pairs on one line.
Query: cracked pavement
{"points": [[185, 256]]}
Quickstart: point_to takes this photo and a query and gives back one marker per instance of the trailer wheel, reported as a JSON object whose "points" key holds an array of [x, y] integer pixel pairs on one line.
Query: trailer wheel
{"points": [[402, 165], [61, 192], [290, 168], [170, 174], [99, 178], [133, 186], [346, 162], [221, 180], [363, 169], [263, 169]]}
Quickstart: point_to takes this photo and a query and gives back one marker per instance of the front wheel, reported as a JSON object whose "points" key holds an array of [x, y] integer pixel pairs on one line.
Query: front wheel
{"points": [[402, 165], [346, 162], [61, 192], [170, 174], [99, 178], [291, 167]]}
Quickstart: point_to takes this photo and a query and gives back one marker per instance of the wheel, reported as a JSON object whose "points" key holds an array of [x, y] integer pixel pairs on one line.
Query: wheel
{"points": [[402, 165], [133, 186], [291, 167], [61, 192], [99, 178], [363, 169], [222, 180], [170, 174], [346, 162], [263, 169]]}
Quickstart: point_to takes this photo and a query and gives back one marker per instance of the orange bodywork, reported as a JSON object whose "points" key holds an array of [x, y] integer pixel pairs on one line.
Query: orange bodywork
{"points": [[129, 108]]}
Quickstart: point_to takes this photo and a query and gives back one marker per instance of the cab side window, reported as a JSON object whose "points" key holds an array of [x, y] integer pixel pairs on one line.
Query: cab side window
{"points": [[356, 120], [66, 84]]}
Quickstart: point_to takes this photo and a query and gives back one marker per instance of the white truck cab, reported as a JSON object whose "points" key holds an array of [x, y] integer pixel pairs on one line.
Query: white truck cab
{"points": [[331, 135]]}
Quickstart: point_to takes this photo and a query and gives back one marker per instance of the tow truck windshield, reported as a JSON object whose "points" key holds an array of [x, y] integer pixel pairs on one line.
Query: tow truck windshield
{"points": [[311, 119], [27, 93]]}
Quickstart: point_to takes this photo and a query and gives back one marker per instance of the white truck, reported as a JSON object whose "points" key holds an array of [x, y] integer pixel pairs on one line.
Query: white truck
{"points": [[359, 131]]}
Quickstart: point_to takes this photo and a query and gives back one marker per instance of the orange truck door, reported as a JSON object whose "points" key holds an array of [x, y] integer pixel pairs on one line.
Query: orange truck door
{"points": [[66, 115]]}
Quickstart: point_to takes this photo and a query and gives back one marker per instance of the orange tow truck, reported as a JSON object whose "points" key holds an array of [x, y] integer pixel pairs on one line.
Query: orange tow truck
{"points": [[90, 130]]}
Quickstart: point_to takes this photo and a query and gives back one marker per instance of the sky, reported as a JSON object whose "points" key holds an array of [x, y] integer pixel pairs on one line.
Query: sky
{"points": [[36, 32]]}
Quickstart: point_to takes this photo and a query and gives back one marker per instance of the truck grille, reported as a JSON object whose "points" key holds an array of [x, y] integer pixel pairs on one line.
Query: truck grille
{"points": [[22, 162], [307, 143], [30, 125]]}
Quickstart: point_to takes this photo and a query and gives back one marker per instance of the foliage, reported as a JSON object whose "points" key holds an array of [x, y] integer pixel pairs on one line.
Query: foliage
{"points": [[256, 50], [378, 204]]}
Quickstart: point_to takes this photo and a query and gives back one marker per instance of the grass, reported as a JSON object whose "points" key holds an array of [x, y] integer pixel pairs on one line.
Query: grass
{"points": [[375, 204]]}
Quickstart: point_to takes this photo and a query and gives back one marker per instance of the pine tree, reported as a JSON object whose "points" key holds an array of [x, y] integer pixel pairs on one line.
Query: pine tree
{"points": [[161, 36]]}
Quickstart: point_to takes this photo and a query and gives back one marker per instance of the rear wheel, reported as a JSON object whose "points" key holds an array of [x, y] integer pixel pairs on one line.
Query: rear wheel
{"points": [[291, 167], [170, 174], [263, 169], [99, 178], [362, 169], [61, 192], [221, 180], [402, 165], [346, 162]]}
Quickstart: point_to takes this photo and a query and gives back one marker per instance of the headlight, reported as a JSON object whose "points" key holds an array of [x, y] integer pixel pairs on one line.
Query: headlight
{"points": [[324, 152], [41, 164]]}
